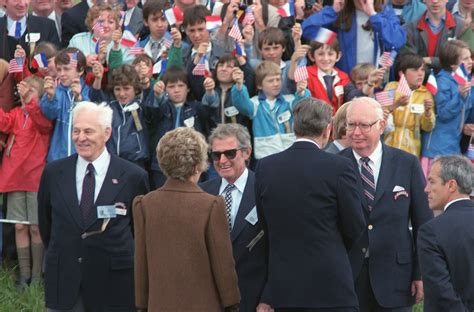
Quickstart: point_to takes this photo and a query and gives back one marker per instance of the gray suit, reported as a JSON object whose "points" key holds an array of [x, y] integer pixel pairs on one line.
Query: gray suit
{"points": [[136, 21]]}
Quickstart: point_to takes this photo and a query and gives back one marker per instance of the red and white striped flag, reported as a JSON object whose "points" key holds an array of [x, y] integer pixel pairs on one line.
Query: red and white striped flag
{"points": [[98, 27], [202, 68], [403, 86], [432, 85], [15, 65], [235, 31], [136, 51], [387, 58], [249, 18], [385, 98], [174, 15], [301, 72], [73, 59]]}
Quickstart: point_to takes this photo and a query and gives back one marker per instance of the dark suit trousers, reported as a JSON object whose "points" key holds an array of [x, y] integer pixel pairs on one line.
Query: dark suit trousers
{"points": [[367, 300], [318, 310]]}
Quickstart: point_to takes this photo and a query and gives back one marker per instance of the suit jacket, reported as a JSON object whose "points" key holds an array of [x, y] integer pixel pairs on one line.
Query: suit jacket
{"points": [[183, 252], [309, 207], [73, 22], [393, 261], [250, 262], [99, 267], [34, 24], [136, 21], [445, 249]]}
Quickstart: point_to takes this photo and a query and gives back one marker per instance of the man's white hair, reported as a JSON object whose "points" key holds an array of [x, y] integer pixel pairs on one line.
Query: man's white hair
{"points": [[102, 112], [376, 105]]}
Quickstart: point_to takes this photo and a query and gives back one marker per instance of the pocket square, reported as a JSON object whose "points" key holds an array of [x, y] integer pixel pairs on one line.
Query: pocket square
{"points": [[398, 188], [400, 193]]}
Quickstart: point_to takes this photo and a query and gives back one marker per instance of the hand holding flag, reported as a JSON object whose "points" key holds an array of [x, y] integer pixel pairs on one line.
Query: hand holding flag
{"points": [[174, 16], [301, 72]]}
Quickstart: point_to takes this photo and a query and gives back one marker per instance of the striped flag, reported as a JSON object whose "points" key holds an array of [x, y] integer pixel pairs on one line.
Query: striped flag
{"points": [[249, 18], [432, 85], [167, 40], [128, 38], [160, 67], [301, 72], [39, 61], [288, 9], [460, 75], [202, 68], [213, 22], [73, 59], [136, 51], [325, 35], [385, 98], [16, 65], [403, 86], [387, 58], [235, 31], [238, 51], [174, 15], [98, 27]]}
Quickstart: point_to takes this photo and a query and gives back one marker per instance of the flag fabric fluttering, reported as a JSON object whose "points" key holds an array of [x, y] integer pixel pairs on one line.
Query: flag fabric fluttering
{"points": [[325, 35], [73, 59], [167, 40], [136, 51], [160, 67], [288, 9], [460, 75], [202, 68], [16, 65], [403, 86], [235, 31], [98, 27], [238, 51], [39, 61], [385, 98], [174, 15], [387, 58], [213, 22], [128, 38], [249, 17], [301, 72], [432, 85]]}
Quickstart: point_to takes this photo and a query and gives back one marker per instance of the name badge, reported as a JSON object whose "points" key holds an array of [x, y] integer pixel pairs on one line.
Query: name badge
{"points": [[339, 90], [252, 217], [284, 117], [417, 108], [105, 212], [32, 37], [189, 122], [231, 111]]}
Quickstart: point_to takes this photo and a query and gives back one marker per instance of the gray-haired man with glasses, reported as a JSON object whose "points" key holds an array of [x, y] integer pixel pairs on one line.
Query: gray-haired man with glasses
{"points": [[391, 184]]}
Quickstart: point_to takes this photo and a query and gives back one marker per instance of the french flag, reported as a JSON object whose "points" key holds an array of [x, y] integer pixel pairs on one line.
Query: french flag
{"points": [[325, 36], [39, 61], [431, 84], [238, 51], [160, 67], [213, 22], [460, 75], [174, 16], [128, 38], [287, 10]]}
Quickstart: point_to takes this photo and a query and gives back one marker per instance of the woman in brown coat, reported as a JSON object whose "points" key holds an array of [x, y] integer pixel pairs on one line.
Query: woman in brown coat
{"points": [[183, 253]]}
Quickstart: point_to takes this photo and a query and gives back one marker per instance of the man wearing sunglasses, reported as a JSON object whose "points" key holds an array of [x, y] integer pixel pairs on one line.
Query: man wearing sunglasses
{"points": [[309, 207], [391, 185], [230, 152]]}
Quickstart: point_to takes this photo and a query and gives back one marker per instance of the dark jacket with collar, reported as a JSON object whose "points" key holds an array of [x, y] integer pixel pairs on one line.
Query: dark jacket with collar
{"points": [[249, 255], [73, 22]]}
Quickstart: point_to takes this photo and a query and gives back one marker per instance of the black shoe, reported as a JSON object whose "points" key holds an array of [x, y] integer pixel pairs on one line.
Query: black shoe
{"points": [[22, 282]]}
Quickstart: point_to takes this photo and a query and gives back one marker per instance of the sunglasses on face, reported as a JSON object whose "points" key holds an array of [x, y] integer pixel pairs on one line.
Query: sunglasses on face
{"points": [[229, 154]]}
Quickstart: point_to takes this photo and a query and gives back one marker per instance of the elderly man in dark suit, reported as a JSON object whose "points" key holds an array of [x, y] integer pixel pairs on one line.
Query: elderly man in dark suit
{"points": [[445, 244], [391, 184], [230, 152], [84, 204], [309, 207], [19, 28]]}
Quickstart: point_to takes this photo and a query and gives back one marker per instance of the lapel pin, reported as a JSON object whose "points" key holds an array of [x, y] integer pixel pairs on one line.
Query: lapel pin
{"points": [[115, 181]]}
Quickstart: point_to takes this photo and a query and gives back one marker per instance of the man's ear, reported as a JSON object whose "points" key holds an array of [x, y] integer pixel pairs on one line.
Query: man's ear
{"points": [[339, 55]]}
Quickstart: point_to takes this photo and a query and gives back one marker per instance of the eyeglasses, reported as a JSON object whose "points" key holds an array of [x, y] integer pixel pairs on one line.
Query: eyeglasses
{"points": [[229, 154], [364, 127]]}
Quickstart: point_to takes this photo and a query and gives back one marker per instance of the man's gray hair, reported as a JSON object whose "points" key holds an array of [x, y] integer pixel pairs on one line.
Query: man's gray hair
{"points": [[224, 131], [102, 111], [310, 117], [458, 168], [376, 105]]}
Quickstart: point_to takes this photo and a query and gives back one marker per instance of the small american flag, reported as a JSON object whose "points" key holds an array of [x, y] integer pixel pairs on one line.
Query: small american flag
{"points": [[301, 73], [73, 59], [385, 98], [235, 31], [98, 27], [167, 41], [15, 65], [136, 51], [387, 58], [202, 68], [249, 18], [403, 86]]}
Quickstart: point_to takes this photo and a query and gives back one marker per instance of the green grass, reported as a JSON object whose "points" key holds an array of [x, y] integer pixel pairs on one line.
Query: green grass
{"points": [[13, 300]]}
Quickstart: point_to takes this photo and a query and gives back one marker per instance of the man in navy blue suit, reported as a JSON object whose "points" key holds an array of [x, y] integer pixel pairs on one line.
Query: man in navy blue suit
{"points": [[84, 208], [391, 186], [230, 152], [309, 207], [445, 244]]}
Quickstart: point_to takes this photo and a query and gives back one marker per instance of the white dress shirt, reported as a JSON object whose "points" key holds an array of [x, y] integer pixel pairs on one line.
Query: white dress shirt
{"points": [[12, 24], [236, 193], [456, 200], [101, 164], [375, 161], [128, 16]]}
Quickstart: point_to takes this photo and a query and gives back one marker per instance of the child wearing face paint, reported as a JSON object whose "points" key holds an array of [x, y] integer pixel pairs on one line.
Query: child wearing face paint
{"points": [[325, 82], [60, 97], [414, 114], [129, 139], [169, 109]]}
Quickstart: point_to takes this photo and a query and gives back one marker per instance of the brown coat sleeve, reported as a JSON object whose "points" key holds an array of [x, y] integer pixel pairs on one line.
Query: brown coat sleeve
{"points": [[220, 254], [141, 265]]}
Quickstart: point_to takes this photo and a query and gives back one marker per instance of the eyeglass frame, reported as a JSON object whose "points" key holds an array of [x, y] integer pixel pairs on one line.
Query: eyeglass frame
{"points": [[359, 125]]}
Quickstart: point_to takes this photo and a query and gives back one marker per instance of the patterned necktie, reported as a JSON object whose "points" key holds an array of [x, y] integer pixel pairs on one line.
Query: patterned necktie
{"points": [[228, 203], [155, 49], [87, 198], [328, 80], [368, 181], [18, 30]]}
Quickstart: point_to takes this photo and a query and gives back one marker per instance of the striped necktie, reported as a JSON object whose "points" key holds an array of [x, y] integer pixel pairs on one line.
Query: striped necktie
{"points": [[368, 181]]}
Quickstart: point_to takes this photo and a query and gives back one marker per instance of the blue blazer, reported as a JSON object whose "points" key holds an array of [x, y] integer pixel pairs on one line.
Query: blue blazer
{"points": [[445, 248], [393, 261], [309, 207], [250, 262], [100, 267]]}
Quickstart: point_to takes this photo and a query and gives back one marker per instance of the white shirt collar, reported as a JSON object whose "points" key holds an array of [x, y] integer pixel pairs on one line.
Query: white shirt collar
{"points": [[308, 140], [11, 24], [239, 183], [282, 64], [101, 163], [375, 157], [338, 145], [456, 200]]}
